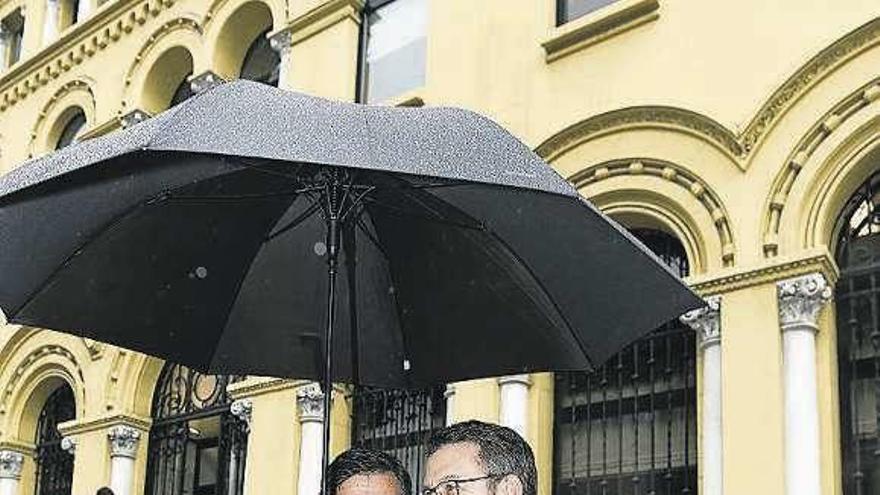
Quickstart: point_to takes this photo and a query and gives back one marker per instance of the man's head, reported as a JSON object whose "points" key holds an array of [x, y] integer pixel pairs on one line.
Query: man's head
{"points": [[367, 472], [496, 458]]}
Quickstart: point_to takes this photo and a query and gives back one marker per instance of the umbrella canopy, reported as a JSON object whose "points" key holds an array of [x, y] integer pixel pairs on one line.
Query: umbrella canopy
{"points": [[204, 236]]}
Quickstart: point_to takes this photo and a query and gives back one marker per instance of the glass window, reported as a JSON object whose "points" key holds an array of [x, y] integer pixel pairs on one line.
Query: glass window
{"points": [[71, 129], [13, 27], [396, 48], [54, 465], [569, 10], [261, 63]]}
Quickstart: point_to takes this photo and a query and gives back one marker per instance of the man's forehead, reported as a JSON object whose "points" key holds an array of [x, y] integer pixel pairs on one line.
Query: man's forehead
{"points": [[383, 483], [454, 460]]}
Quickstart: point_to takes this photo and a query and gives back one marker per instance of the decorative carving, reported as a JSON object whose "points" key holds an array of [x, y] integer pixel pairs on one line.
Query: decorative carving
{"points": [[133, 117], [706, 321], [801, 299], [692, 122], [242, 409], [68, 444], [204, 81], [281, 42], [73, 370], [672, 173], [123, 441], [522, 378], [11, 463], [310, 400], [179, 23]]}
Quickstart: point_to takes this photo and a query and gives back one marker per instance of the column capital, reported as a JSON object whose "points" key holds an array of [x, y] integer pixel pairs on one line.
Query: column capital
{"points": [[801, 299], [522, 379], [310, 401], [133, 117], [11, 463], [450, 391], [281, 41], [706, 321], [123, 441], [204, 81], [68, 444], [242, 409]]}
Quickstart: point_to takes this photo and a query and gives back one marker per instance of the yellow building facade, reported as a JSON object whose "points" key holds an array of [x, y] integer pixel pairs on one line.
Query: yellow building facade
{"points": [[745, 133]]}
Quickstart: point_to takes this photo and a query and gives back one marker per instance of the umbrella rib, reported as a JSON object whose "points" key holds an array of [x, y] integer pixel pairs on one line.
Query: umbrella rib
{"points": [[406, 213], [302, 217]]}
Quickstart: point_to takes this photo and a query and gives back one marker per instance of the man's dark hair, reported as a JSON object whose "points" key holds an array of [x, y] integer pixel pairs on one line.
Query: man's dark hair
{"points": [[104, 491], [501, 450], [366, 461]]}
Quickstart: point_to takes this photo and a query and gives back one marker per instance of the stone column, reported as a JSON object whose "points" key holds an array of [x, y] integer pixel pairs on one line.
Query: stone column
{"points": [[706, 322], [800, 301], [241, 409], [83, 10], [123, 450], [310, 401], [51, 19], [280, 42], [10, 471], [449, 395], [515, 402], [204, 81]]}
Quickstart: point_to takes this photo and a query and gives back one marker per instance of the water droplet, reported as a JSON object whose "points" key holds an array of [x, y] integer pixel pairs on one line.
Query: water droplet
{"points": [[201, 272], [320, 248], [406, 365]]}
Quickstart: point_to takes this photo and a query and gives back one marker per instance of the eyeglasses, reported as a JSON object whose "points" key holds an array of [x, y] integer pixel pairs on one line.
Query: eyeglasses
{"points": [[452, 487]]}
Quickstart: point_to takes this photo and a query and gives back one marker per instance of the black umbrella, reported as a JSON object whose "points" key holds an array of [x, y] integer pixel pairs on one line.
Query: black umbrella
{"points": [[251, 230]]}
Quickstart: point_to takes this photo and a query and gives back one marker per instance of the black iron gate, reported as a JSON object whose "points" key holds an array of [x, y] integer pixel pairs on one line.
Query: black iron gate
{"points": [[857, 299], [629, 427], [197, 447], [398, 422], [54, 465]]}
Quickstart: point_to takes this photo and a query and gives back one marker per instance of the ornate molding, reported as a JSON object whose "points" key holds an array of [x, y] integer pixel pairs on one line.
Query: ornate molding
{"points": [[11, 463], [179, 23], [634, 117], [123, 441], [105, 27], [72, 428], [29, 361], [322, 17], [242, 409], [310, 402], [845, 109], [68, 444], [814, 70], [675, 174], [67, 88], [814, 260], [801, 299], [706, 321], [254, 386]]}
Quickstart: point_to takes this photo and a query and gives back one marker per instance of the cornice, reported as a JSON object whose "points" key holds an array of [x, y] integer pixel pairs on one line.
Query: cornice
{"points": [[817, 260], [76, 427], [24, 448], [254, 386], [108, 25], [322, 17], [105, 127]]}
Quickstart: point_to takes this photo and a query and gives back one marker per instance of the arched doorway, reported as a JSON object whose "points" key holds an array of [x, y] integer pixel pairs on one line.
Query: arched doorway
{"points": [[197, 447], [261, 63], [629, 427], [54, 465], [857, 300]]}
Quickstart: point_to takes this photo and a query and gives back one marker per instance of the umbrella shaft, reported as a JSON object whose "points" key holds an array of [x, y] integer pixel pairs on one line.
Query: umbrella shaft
{"points": [[332, 254]]}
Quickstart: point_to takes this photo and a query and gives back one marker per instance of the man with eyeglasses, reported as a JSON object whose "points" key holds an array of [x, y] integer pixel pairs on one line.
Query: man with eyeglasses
{"points": [[476, 458], [362, 471]]}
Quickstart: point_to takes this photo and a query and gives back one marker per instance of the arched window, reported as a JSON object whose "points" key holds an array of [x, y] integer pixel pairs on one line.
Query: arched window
{"points": [[630, 426], [54, 465], [857, 299], [70, 130], [197, 447], [398, 422], [261, 63]]}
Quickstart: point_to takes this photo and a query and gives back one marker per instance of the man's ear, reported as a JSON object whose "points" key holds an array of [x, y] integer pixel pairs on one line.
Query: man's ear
{"points": [[509, 485]]}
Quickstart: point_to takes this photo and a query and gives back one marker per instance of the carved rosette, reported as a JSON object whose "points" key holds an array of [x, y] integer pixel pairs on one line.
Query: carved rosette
{"points": [[123, 441], [801, 299], [310, 400], [68, 444], [706, 321], [242, 409], [280, 42], [11, 463]]}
